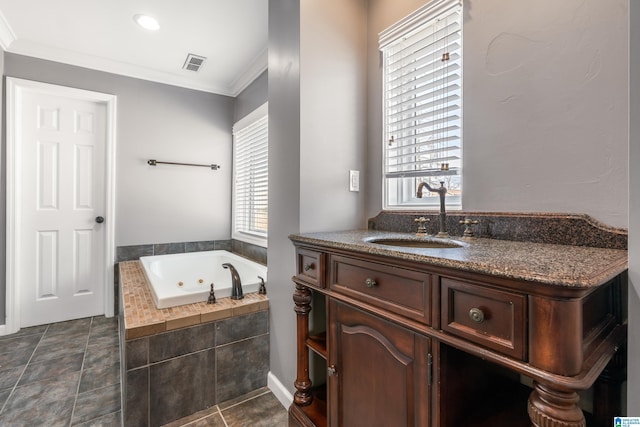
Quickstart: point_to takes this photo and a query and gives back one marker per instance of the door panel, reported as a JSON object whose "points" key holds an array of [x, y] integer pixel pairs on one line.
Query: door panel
{"points": [[382, 371], [62, 181]]}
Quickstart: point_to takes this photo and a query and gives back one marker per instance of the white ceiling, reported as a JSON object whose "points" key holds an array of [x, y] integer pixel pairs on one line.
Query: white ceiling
{"points": [[101, 34]]}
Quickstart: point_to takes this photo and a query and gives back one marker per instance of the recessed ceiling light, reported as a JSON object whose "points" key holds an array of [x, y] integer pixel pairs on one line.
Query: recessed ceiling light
{"points": [[147, 22]]}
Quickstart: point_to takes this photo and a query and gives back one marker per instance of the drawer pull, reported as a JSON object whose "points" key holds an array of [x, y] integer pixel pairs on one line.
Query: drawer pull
{"points": [[331, 370], [476, 315], [307, 267], [370, 282]]}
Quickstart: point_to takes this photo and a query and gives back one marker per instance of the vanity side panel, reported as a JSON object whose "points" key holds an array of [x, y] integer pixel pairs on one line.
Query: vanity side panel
{"points": [[555, 335]]}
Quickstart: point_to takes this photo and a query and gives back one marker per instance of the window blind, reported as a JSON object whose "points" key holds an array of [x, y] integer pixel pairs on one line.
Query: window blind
{"points": [[251, 190], [422, 74]]}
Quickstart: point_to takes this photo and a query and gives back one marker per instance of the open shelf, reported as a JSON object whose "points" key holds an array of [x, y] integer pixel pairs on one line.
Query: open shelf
{"points": [[318, 343]]}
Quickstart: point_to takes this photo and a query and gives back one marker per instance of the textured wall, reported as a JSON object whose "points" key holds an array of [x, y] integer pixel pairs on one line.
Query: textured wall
{"points": [[545, 106]]}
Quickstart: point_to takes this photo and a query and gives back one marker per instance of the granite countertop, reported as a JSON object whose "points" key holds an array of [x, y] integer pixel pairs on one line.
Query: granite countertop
{"points": [[560, 265]]}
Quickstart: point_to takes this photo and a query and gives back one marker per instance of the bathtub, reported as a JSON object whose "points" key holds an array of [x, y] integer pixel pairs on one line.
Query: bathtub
{"points": [[186, 278]]}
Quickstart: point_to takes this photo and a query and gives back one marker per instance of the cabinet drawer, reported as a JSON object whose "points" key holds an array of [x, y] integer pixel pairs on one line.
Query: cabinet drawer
{"points": [[310, 267], [398, 290], [493, 318]]}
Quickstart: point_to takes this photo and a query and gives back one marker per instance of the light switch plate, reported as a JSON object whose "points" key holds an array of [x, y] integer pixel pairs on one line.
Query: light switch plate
{"points": [[354, 180]]}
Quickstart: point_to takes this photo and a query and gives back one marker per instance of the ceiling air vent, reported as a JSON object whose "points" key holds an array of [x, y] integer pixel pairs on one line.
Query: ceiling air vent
{"points": [[193, 62]]}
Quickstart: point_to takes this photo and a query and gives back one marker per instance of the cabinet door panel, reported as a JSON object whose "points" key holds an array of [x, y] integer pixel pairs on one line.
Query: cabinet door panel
{"points": [[379, 379]]}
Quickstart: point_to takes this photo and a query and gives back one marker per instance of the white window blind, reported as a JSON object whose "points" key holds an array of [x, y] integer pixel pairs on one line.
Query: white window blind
{"points": [[251, 189], [422, 77]]}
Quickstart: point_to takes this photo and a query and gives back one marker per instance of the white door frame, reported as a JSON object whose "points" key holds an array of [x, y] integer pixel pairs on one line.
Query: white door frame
{"points": [[15, 88]]}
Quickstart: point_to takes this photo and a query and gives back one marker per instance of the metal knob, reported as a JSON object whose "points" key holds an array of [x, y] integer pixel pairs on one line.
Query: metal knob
{"points": [[307, 267], [476, 315], [370, 282], [331, 370], [99, 219]]}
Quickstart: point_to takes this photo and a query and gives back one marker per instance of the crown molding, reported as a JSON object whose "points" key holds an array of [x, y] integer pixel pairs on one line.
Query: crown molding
{"points": [[7, 36], [36, 50], [257, 66]]}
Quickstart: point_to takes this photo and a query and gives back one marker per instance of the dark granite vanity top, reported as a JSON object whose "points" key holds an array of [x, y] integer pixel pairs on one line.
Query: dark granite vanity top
{"points": [[554, 264]]}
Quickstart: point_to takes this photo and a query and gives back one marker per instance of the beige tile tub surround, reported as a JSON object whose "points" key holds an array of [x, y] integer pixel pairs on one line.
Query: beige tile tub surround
{"points": [[142, 318]]}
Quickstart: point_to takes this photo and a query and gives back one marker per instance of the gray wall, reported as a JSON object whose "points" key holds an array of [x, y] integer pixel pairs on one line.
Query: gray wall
{"points": [[165, 203], [317, 112], [3, 197], [545, 106], [284, 181], [251, 97], [332, 113], [633, 355]]}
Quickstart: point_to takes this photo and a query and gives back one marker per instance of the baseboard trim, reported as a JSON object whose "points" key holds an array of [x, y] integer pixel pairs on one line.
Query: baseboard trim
{"points": [[279, 390], [3, 330]]}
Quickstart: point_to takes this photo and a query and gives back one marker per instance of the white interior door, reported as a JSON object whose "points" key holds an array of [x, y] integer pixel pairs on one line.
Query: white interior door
{"points": [[60, 158]]}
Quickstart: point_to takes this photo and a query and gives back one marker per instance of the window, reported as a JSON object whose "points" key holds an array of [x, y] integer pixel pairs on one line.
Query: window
{"points": [[422, 90], [250, 177]]}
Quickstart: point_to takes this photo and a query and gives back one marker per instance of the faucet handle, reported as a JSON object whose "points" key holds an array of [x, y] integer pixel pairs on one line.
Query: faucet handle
{"points": [[263, 289], [421, 228], [468, 232]]}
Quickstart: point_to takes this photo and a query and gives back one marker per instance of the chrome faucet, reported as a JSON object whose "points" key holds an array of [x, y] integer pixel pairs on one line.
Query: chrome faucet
{"points": [[236, 284], [443, 214]]}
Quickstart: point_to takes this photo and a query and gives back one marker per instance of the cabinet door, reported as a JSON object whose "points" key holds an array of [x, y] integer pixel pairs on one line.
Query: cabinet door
{"points": [[379, 372]]}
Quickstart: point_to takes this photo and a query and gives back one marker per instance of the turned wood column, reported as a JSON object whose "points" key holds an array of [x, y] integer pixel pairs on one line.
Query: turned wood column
{"points": [[554, 408], [302, 301]]}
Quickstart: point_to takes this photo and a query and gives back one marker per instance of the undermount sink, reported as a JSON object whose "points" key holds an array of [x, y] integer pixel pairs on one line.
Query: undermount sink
{"points": [[417, 243]]}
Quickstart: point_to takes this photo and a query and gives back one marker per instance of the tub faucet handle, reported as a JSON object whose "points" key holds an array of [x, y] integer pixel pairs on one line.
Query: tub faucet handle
{"points": [[212, 296], [263, 289]]}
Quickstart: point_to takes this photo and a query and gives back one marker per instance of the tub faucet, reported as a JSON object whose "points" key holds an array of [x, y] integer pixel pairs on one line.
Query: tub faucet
{"points": [[443, 214], [236, 284]]}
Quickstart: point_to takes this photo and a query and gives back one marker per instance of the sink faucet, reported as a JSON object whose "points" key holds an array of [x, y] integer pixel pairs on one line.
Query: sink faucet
{"points": [[236, 284], [443, 215]]}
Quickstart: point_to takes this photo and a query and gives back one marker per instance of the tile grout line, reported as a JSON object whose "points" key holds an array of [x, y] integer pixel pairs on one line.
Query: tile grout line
{"points": [[204, 417], [100, 416], [84, 357], [24, 370], [267, 391]]}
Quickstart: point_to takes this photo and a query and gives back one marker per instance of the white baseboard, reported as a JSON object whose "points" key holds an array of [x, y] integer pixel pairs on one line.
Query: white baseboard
{"points": [[279, 391], [3, 330]]}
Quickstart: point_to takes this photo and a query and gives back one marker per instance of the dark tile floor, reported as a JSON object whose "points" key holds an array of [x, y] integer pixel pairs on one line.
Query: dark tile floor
{"points": [[62, 374], [256, 409], [68, 374]]}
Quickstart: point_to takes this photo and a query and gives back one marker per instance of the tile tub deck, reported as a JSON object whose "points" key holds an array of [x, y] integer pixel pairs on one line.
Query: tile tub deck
{"points": [[142, 318]]}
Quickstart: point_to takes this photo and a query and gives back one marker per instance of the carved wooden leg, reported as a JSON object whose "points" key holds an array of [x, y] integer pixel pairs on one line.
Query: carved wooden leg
{"points": [[553, 408], [302, 301]]}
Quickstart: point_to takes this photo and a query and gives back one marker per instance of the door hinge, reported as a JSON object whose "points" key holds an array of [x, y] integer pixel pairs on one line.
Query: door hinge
{"points": [[429, 368]]}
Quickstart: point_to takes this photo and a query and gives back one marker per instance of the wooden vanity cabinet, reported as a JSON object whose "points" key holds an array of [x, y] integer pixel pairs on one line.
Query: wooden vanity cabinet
{"points": [[408, 344]]}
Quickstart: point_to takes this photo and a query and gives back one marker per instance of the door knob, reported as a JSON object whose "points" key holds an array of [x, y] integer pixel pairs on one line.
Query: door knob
{"points": [[99, 219]]}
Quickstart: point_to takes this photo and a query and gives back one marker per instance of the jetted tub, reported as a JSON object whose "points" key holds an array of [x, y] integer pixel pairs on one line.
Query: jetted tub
{"points": [[186, 278]]}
